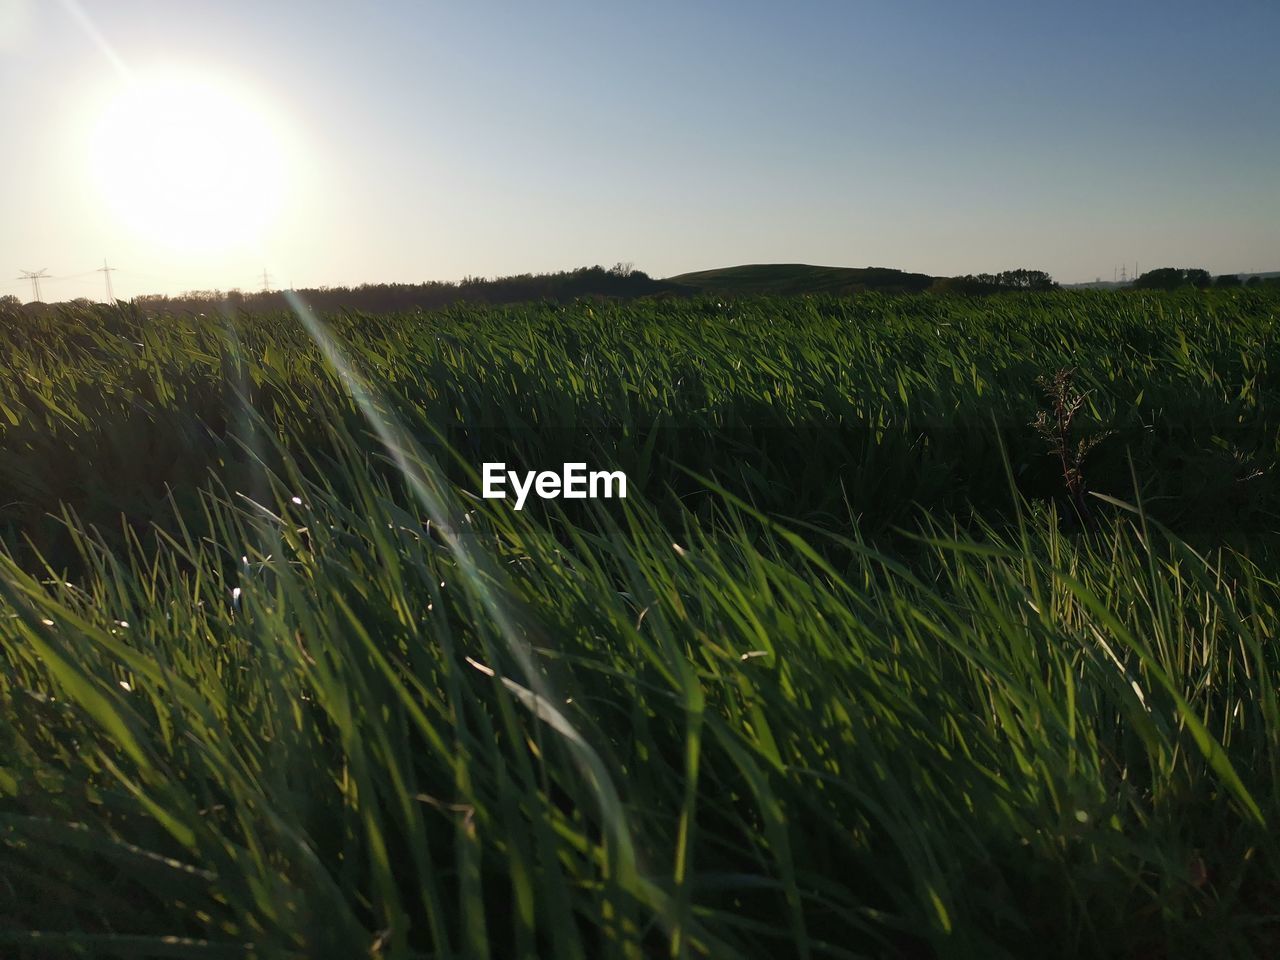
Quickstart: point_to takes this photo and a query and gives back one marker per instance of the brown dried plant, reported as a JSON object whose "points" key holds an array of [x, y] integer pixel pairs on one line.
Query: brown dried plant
{"points": [[1058, 426]]}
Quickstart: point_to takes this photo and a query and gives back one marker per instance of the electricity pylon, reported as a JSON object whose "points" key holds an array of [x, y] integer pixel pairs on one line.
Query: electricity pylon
{"points": [[106, 272], [34, 276]]}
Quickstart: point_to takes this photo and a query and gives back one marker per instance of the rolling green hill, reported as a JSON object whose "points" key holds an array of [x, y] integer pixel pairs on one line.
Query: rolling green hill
{"points": [[790, 278]]}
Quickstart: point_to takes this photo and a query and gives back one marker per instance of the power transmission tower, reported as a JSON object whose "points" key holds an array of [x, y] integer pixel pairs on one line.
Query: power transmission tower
{"points": [[34, 276], [266, 281], [107, 271]]}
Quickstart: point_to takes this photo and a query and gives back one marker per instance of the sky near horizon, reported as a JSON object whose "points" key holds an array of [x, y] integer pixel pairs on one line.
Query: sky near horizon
{"points": [[196, 143]]}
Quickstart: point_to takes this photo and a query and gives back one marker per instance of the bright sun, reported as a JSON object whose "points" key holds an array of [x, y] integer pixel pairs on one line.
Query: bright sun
{"points": [[190, 163]]}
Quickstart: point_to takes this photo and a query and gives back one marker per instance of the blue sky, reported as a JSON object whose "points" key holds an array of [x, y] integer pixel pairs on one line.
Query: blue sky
{"points": [[431, 141]]}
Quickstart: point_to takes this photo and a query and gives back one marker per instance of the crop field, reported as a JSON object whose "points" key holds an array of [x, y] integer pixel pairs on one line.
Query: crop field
{"points": [[930, 626]]}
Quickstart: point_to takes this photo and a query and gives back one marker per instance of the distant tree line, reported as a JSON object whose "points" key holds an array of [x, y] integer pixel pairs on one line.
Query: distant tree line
{"points": [[1005, 281], [619, 281], [1171, 278], [623, 282]]}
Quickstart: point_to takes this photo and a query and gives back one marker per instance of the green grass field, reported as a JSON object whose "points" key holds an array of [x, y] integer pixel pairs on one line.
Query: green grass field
{"points": [[847, 674]]}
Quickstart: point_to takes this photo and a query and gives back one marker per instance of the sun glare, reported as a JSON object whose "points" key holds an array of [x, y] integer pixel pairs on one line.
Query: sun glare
{"points": [[189, 162]]}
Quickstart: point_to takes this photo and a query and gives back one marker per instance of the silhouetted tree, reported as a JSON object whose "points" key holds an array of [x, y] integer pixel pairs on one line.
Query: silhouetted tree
{"points": [[1170, 278], [1025, 280], [1006, 280]]}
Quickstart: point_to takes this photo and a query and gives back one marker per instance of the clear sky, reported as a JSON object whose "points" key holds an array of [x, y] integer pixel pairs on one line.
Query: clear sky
{"points": [[195, 142]]}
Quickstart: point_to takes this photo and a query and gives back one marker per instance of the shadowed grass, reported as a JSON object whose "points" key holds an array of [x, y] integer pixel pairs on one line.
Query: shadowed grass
{"points": [[292, 708]]}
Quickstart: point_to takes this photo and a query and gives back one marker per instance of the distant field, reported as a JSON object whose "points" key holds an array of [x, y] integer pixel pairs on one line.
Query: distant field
{"points": [[851, 672]]}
